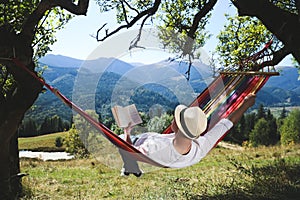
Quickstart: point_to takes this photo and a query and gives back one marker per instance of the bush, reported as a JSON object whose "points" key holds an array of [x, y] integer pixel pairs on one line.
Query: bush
{"points": [[158, 124], [59, 141], [74, 145]]}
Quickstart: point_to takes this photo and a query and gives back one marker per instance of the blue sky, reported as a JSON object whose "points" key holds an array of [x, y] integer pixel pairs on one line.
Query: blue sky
{"points": [[75, 39]]}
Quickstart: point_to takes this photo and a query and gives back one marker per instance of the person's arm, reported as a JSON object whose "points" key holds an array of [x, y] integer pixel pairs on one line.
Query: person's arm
{"points": [[209, 140], [236, 115], [127, 132]]}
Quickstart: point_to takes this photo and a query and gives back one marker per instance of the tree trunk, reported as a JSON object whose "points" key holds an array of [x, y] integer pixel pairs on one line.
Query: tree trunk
{"points": [[13, 108], [10, 185], [15, 178], [5, 188]]}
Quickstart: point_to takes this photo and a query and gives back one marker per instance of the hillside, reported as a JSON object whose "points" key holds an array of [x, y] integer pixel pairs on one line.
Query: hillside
{"points": [[150, 85]]}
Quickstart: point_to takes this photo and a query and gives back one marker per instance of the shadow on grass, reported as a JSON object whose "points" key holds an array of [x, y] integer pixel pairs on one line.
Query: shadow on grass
{"points": [[277, 180]]}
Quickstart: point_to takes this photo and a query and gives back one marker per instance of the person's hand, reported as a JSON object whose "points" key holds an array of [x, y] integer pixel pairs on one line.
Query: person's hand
{"points": [[127, 130], [249, 100], [236, 115]]}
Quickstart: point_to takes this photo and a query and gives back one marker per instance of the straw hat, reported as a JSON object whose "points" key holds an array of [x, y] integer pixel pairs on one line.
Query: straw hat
{"points": [[191, 121]]}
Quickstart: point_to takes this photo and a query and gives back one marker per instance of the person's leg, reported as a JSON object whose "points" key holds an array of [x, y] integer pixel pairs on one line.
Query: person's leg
{"points": [[130, 165]]}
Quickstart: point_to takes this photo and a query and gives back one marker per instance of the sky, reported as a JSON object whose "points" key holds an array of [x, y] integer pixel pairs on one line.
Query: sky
{"points": [[76, 40]]}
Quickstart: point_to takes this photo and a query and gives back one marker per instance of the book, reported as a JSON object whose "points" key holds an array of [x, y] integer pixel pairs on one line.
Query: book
{"points": [[126, 115]]}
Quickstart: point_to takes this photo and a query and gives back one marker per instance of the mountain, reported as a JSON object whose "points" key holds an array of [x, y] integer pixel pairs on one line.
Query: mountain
{"points": [[60, 61], [282, 90], [162, 83]]}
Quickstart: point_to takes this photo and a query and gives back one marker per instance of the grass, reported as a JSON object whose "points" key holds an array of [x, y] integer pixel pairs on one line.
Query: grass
{"points": [[41, 143], [254, 173]]}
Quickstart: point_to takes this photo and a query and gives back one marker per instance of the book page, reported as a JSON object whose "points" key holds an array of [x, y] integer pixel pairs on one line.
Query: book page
{"points": [[135, 117], [125, 115], [121, 116]]}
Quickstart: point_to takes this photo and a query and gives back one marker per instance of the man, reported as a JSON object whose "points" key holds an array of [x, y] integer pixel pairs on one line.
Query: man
{"points": [[185, 146]]}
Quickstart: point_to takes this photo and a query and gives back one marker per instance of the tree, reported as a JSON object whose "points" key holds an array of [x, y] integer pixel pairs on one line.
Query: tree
{"points": [[181, 22], [281, 118], [238, 134], [265, 130], [52, 124], [259, 22], [59, 141], [249, 123], [26, 30], [28, 128], [261, 112], [260, 134], [290, 130], [272, 124]]}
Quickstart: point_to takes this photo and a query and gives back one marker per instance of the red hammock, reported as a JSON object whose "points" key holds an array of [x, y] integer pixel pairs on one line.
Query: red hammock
{"points": [[218, 100]]}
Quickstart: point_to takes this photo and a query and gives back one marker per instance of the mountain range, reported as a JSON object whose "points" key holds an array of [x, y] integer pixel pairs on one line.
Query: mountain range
{"points": [[162, 83]]}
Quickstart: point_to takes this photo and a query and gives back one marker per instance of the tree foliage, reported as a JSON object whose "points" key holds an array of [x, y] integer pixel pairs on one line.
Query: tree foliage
{"points": [[28, 128], [281, 17], [260, 134], [59, 141], [159, 123], [177, 22], [53, 124], [74, 144], [241, 38], [290, 130], [181, 24], [15, 13], [256, 128]]}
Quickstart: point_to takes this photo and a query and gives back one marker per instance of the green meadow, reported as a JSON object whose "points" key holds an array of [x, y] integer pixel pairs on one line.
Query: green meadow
{"points": [[226, 173]]}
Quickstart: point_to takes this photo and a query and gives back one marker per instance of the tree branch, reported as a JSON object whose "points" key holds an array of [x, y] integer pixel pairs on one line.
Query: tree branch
{"points": [[277, 57], [192, 32], [129, 6], [28, 28], [202, 13], [134, 43], [283, 24], [146, 13]]}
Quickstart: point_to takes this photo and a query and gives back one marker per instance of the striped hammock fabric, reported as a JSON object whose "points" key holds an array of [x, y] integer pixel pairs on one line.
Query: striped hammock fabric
{"points": [[224, 95], [218, 100]]}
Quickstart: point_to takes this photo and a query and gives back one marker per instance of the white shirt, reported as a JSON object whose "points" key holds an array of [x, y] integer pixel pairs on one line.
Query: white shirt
{"points": [[160, 148]]}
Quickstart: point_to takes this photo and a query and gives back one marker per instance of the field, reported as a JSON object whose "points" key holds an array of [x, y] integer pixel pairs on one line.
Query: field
{"points": [[41, 143], [252, 173]]}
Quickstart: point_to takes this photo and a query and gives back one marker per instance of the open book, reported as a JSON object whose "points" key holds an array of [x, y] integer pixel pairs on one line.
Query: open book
{"points": [[126, 115]]}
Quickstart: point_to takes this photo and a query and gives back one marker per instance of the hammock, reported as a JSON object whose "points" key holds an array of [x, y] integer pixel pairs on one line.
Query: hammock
{"points": [[218, 100]]}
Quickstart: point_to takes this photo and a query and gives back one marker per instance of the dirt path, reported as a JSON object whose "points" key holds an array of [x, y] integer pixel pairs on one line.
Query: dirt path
{"points": [[230, 146]]}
